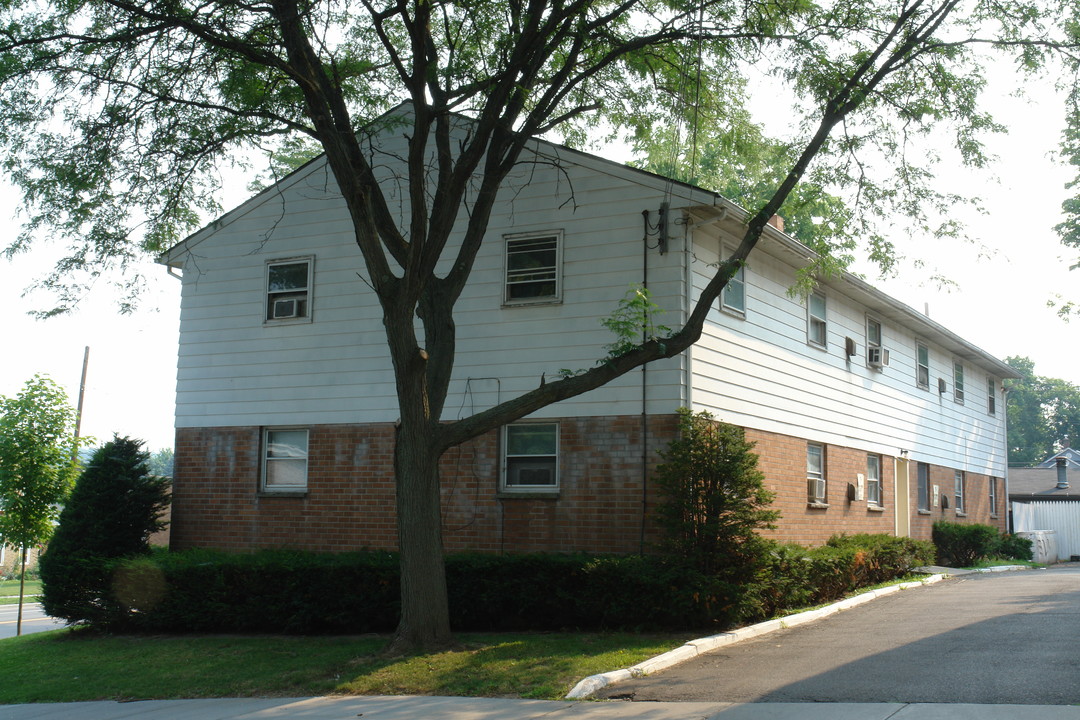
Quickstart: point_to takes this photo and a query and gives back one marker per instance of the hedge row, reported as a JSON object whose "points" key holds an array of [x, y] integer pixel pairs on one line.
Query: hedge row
{"points": [[306, 593]]}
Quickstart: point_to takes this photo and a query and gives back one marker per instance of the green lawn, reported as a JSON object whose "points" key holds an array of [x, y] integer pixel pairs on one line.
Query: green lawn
{"points": [[9, 591], [70, 665]]}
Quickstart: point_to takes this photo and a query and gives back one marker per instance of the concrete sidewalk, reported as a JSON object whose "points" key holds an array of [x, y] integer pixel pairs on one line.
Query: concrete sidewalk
{"points": [[453, 708]]}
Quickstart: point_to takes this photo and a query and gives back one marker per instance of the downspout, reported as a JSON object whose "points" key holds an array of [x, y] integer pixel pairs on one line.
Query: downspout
{"points": [[1005, 442], [644, 389]]}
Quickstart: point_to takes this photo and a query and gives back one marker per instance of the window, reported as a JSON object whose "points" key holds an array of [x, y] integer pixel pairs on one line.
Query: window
{"points": [[531, 456], [991, 396], [532, 268], [873, 480], [733, 298], [876, 356], [993, 497], [924, 486], [815, 474], [922, 366], [288, 290], [285, 458], [958, 482], [958, 381], [817, 330]]}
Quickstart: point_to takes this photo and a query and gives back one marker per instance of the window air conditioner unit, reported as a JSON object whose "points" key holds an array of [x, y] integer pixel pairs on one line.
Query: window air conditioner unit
{"points": [[877, 357], [285, 309]]}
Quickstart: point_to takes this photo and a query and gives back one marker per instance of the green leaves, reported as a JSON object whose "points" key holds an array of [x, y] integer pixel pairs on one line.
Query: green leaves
{"points": [[37, 466]]}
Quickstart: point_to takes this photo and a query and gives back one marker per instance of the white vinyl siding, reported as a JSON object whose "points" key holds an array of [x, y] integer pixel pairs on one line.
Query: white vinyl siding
{"points": [[760, 372], [237, 369]]}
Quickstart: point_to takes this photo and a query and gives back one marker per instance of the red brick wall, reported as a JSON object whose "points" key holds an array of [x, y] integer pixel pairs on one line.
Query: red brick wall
{"points": [[350, 500], [783, 460], [976, 501]]}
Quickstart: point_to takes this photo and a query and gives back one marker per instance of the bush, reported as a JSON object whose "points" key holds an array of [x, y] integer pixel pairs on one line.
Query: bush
{"points": [[713, 499], [285, 591], [795, 576], [1014, 547], [279, 591], [964, 544], [115, 507]]}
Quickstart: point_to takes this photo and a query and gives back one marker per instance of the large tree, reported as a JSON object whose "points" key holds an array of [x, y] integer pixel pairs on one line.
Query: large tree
{"points": [[116, 113], [1043, 412]]}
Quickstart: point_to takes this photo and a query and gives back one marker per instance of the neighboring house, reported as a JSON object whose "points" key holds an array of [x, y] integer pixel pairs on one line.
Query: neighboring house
{"points": [[868, 416], [10, 557], [1047, 497]]}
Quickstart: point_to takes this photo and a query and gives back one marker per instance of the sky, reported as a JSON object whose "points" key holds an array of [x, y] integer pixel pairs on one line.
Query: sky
{"points": [[999, 302]]}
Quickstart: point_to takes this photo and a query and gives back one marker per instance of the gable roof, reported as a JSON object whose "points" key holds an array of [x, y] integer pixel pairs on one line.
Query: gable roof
{"points": [[1072, 459]]}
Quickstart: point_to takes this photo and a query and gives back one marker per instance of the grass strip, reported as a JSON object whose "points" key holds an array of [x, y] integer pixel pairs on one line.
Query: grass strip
{"points": [[67, 666], [9, 591]]}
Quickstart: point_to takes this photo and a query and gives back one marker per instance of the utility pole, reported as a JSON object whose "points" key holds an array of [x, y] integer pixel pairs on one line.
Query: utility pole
{"points": [[78, 410]]}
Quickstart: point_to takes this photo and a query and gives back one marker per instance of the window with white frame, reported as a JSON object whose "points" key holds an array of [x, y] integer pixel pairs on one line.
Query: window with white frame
{"points": [[958, 483], [991, 396], [923, 472], [876, 356], [816, 485], [958, 381], [531, 456], [922, 365], [873, 480], [817, 327], [993, 496], [288, 289], [733, 298], [285, 460], [533, 268]]}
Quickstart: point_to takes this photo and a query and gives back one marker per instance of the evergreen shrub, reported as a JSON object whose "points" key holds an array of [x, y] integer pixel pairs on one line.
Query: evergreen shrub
{"points": [[1014, 547], [964, 544], [115, 507]]}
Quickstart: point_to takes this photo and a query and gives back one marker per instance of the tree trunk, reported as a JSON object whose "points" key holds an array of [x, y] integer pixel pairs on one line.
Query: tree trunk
{"points": [[425, 615], [22, 590]]}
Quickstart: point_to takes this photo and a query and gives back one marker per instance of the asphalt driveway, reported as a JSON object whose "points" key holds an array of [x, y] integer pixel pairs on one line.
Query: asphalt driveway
{"points": [[997, 638]]}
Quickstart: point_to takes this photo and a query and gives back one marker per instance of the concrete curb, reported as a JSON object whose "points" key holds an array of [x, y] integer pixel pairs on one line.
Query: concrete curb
{"points": [[595, 683]]}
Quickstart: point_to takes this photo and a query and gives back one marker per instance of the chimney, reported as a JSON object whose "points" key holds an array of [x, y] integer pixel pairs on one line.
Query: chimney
{"points": [[1062, 480], [777, 222]]}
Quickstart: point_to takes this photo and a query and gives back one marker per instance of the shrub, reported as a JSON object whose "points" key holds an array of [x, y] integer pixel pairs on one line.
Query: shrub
{"points": [[795, 576], [963, 544], [1014, 547], [115, 507], [712, 499]]}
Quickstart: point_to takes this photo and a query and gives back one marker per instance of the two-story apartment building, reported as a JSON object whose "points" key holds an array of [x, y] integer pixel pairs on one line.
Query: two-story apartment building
{"points": [[868, 416]]}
